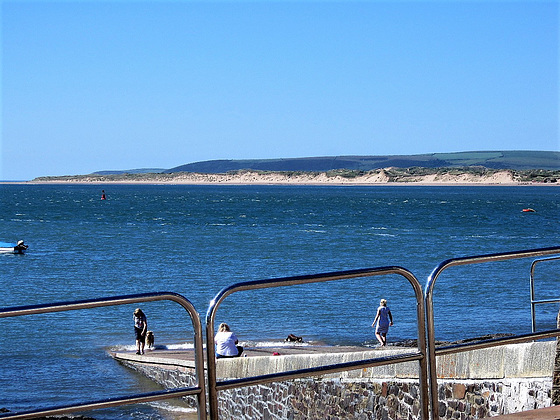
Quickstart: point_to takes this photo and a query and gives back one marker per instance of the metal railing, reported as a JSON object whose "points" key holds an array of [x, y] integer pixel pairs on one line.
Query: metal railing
{"points": [[428, 296], [214, 385], [199, 390], [535, 302], [425, 354]]}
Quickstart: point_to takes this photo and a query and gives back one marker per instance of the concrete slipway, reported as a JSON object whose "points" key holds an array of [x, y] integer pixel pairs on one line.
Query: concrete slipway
{"points": [[526, 360]]}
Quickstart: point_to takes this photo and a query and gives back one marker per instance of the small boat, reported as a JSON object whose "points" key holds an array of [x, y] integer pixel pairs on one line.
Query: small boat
{"points": [[528, 211], [7, 248]]}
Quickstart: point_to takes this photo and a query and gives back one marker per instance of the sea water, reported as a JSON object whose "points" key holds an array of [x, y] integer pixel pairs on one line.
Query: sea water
{"points": [[196, 240]]}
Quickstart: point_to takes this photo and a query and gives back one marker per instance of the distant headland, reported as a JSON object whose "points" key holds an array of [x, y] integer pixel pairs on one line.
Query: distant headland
{"points": [[483, 168]]}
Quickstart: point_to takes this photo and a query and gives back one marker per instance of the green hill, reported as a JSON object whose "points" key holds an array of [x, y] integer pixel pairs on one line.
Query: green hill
{"points": [[516, 160]]}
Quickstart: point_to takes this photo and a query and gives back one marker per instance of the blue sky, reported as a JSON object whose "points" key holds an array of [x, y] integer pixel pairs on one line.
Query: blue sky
{"points": [[97, 85]]}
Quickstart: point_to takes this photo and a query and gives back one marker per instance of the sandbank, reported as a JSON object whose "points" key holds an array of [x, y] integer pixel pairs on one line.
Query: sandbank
{"points": [[380, 177]]}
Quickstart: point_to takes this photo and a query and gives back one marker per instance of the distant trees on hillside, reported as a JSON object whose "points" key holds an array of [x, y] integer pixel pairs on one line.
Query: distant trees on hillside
{"points": [[404, 174]]}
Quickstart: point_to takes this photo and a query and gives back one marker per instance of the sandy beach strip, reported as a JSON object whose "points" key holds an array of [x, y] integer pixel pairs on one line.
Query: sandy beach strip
{"points": [[379, 177]]}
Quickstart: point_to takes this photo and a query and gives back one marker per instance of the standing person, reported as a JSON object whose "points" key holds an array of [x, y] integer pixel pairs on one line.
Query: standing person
{"points": [[384, 319], [103, 196], [140, 328], [226, 343]]}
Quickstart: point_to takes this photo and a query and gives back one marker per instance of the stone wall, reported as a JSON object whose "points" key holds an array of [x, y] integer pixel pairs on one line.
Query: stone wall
{"points": [[471, 385], [362, 398], [169, 376], [384, 400], [324, 399], [476, 400]]}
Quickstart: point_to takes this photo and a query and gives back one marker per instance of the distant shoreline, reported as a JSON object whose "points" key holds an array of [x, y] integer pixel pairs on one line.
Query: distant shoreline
{"points": [[386, 184], [371, 178]]}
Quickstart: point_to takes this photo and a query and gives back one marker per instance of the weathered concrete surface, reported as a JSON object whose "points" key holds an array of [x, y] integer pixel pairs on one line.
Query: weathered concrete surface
{"points": [[526, 360], [262, 365]]}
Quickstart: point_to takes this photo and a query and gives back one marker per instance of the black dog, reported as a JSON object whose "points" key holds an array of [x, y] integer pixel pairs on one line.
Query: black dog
{"points": [[294, 338]]}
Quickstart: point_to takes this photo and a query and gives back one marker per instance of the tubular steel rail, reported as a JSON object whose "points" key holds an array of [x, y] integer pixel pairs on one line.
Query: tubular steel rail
{"points": [[198, 390], [538, 302], [428, 296], [425, 355], [214, 385]]}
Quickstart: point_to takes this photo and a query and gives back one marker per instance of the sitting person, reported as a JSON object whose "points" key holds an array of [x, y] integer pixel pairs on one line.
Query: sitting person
{"points": [[226, 343], [20, 246]]}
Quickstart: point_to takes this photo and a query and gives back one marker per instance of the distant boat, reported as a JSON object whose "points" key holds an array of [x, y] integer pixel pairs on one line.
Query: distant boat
{"points": [[528, 211], [7, 248]]}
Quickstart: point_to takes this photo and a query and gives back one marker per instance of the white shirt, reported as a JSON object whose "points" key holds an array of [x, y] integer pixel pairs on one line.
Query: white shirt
{"points": [[225, 343]]}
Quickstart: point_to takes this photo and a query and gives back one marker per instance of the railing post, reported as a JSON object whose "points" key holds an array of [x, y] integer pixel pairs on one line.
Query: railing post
{"points": [[556, 371], [428, 298], [534, 302], [211, 362]]}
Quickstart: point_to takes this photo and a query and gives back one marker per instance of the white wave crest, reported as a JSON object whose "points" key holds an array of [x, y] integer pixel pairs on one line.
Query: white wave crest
{"points": [[272, 344], [190, 346], [165, 406]]}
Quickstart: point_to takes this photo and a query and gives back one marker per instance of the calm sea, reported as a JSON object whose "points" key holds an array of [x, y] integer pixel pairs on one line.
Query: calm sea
{"points": [[195, 240]]}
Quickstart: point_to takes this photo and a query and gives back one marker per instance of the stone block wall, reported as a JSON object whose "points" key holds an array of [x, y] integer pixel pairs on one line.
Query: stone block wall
{"points": [[479, 399], [362, 398], [168, 376], [325, 399], [380, 400]]}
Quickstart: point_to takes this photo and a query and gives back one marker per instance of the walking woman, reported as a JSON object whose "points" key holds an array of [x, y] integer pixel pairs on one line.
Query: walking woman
{"points": [[384, 320]]}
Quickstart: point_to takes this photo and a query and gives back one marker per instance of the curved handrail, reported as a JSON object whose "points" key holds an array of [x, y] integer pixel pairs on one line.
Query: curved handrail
{"points": [[198, 390], [532, 285], [214, 386], [428, 304]]}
